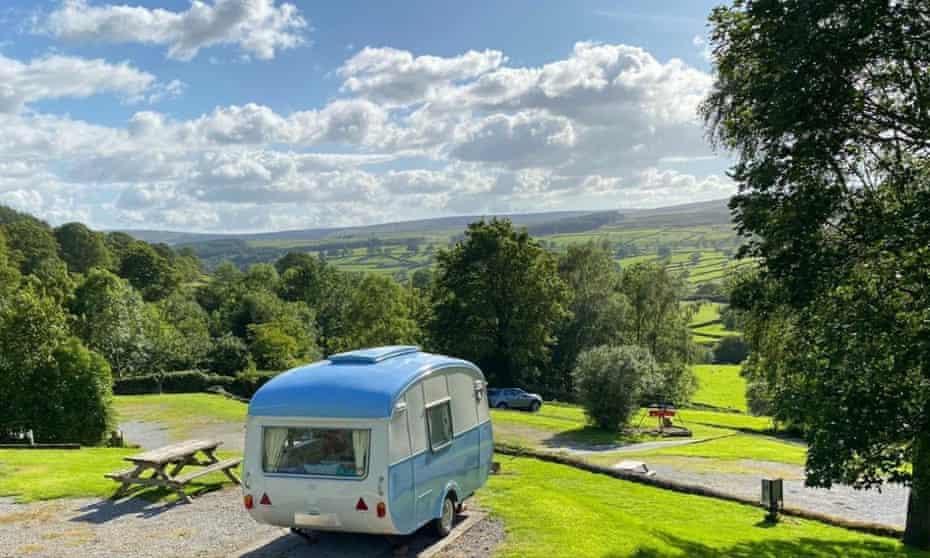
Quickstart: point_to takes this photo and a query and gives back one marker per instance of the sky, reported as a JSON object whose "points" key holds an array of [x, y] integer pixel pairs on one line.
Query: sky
{"points": [[262, 115]]}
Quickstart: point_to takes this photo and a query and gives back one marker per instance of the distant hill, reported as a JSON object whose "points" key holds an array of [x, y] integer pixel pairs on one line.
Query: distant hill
{"points": [[402, 247], [712, 212]]}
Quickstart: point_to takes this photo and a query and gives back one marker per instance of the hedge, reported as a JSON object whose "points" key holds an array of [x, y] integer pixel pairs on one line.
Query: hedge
{"points": [[192, 381]]}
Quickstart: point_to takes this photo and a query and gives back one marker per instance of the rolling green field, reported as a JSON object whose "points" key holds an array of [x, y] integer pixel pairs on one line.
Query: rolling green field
{"points": [[720, 385], [180, 412], [706, 325], [553, 510]]}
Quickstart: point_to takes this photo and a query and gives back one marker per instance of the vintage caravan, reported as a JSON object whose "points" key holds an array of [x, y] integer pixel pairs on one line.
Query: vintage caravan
{"points": [[381, 440]]}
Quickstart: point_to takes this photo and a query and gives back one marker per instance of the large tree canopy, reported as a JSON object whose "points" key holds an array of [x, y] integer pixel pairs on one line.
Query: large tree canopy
{"points": [[497, 299], [827, 105]]}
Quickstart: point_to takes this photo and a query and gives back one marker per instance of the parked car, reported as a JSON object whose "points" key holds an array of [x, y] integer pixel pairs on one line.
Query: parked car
{"points": [[514, 398]]}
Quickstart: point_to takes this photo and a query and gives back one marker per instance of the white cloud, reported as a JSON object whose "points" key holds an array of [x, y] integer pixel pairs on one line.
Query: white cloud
{"points": [[55, 77], [408, 137], [394, 76], [259, 28]]}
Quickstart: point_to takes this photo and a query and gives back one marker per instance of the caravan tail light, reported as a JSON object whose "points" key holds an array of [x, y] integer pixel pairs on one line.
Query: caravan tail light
{"points": [[265, 501], [361, 505], [248, 501], [381, 509]]}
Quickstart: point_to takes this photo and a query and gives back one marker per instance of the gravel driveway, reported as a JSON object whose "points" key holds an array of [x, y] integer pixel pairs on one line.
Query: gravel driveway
{"points": [[888, 507], [215, 525]]}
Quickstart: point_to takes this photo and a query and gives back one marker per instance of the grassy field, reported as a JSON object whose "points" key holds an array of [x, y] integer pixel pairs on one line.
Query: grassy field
{"points": [[553, 510], [720, 385], [180, 412], [29, 475]]}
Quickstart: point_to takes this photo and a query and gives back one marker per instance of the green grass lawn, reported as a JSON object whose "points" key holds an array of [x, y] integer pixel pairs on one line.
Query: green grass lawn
{"points": [[553, 510], [29, 475], [180, 412], [720, 385], [706, 312]]}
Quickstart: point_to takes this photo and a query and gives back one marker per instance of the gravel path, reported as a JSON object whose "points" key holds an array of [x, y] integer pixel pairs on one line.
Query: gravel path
{"points": [[215, 525], [478, 541], [888, 507]]}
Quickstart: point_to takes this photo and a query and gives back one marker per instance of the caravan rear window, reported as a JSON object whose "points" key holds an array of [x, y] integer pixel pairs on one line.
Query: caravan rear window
{"points": [[333, 452]]}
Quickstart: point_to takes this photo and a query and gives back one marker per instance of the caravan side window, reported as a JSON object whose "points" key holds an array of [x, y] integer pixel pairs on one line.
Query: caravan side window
{"points": [[439, 424]]}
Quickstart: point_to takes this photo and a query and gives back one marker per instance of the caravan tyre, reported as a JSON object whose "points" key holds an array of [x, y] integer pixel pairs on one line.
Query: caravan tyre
{"points": [[442, 525]]}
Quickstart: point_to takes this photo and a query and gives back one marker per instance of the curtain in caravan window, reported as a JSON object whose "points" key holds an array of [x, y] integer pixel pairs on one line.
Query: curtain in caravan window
{"points": [[275, 437], [360, 444]]}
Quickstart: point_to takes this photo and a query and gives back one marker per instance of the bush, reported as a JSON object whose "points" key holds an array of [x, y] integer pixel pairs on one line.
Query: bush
{"points": [[229, 355], [185, 381], [608, 382], [193, 381], [246, 384], [669, 382], [75, 402], [731, 350]]}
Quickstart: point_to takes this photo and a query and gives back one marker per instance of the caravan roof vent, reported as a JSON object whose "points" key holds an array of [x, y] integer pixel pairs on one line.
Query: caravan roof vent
{"points": [[373, 355]]}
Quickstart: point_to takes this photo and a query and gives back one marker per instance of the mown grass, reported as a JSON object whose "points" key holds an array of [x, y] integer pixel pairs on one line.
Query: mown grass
{"points": [[554, 510], [180, 413], [30, 475], [720, 385]]}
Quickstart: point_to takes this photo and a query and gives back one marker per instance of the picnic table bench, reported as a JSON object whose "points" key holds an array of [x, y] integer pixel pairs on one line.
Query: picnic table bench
{"points": [[176, 457]]}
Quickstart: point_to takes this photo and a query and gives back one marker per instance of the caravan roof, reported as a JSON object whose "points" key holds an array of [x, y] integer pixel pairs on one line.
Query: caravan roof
{"points": [[356, 384]]}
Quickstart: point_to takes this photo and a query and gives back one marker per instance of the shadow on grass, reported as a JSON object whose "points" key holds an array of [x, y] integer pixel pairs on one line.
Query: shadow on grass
{"points": [[797, 548], [142, 502]]}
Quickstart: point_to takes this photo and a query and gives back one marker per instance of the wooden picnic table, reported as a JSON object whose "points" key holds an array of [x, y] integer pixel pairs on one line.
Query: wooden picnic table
{"points": [[176, 457]]}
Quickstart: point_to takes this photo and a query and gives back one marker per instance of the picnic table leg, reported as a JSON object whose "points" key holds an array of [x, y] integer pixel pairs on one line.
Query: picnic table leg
{"points": [[125, 484], [232, 476], [173, 485], [211, 457], [180, 465]]}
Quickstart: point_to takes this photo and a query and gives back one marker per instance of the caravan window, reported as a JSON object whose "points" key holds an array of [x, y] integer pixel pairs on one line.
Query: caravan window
{"points": [[334, 452], [439, 424]]}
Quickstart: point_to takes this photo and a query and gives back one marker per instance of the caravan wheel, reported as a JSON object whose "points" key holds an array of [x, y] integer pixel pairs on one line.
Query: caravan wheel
{"points": [[442, 525]]}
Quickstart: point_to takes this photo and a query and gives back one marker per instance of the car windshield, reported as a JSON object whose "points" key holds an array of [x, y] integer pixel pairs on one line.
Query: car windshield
{"points": [[315, 451]]}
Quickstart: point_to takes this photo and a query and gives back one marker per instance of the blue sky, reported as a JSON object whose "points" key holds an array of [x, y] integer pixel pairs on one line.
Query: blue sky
{"points": [[244, 115]]}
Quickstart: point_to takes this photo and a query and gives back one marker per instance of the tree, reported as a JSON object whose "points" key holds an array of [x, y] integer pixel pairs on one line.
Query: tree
{"points": [[730, 350], [608, 381], [597, 311], [825, 104], [72, 396], [378, 313], [497, 299], [110, 318], [148, 271], [323, 289], [229, 355], [30, 242], [191, 326], [9, 273], [272, 348], [31, 328], [81, 248]]}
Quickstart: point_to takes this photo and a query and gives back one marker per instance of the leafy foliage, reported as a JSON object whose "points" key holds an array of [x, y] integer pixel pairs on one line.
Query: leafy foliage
{"points": [[826, 104], [497, 299], [608, 381]]}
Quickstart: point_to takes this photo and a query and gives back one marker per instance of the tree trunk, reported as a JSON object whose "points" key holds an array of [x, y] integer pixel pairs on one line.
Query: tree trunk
{"points": [[917, 529]]}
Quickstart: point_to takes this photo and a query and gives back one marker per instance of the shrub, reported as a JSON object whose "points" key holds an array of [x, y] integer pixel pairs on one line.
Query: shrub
{"points": [[229, 355], [75, 401], [731, 350], [246, 384], [669, 382], [184, 381], [608, 382]]}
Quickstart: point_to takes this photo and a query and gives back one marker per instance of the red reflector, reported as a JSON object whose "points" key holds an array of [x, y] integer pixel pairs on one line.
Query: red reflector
{"points": [[265, 501], [361, 505], [249, 503], [382, 510]]}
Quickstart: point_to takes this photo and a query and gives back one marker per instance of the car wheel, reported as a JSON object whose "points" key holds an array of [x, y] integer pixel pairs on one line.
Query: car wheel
{"points": [[442, 525], [503, 405], [534, 406]]}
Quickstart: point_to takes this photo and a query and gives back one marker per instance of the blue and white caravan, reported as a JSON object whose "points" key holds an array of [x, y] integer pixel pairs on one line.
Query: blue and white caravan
{"points": [[381, 440]]}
